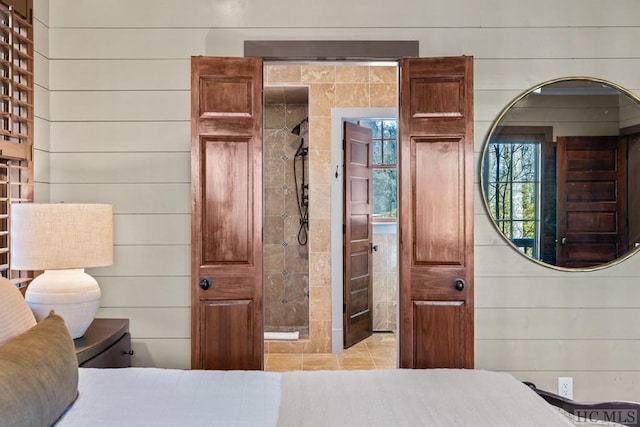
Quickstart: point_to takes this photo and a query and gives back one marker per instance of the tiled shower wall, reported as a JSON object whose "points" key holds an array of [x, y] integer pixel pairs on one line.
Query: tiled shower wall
{"points": [[286, 262]]}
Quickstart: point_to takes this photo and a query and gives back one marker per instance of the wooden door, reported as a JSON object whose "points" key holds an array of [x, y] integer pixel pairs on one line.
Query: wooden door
{"points": [[358, 292], [592, 203], [226, 255], [436, 212]]}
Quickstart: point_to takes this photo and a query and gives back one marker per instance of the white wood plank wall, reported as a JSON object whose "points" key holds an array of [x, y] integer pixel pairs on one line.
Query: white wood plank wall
{"points": [[119, 132], [42, 116]]}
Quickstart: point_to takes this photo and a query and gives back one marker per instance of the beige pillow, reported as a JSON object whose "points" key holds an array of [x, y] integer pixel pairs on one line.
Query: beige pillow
{"points": [[38, 375], [15, 314]]}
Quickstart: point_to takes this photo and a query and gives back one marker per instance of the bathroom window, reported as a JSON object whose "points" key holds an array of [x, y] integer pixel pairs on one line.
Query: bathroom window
{"points": [[384, 153]]}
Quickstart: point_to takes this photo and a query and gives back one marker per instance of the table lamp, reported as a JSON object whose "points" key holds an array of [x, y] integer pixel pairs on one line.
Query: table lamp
{"points": [[62, 239]]}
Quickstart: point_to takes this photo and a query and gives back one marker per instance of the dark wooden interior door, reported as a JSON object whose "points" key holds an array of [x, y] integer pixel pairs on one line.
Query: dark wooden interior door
{"points": [[226, 239], [357, 284], [592, 203], [436, 213]]}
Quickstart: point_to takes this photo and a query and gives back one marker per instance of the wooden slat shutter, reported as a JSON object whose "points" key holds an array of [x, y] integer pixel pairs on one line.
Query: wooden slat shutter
{"points": [[16, 123]]}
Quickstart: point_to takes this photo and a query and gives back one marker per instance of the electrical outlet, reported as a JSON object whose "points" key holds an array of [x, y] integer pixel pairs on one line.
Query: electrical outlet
{"points": [[565, 387]]}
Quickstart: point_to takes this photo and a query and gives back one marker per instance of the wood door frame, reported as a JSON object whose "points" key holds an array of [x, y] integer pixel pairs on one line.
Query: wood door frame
{"points": [[276, 52]]}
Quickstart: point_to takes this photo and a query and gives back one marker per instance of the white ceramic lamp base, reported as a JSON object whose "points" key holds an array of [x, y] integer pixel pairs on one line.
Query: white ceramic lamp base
{"points": [[72, 294]]}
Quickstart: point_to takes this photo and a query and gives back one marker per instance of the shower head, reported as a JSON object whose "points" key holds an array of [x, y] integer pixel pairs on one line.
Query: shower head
{"points": [[298, 127]]}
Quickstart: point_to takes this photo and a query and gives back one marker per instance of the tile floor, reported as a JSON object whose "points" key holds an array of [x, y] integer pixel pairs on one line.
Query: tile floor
{"points": [[376, 352]]}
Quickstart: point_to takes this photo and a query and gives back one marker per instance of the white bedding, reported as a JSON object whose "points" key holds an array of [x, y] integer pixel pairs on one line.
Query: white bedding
{"points": [[171, 397], [403, 397], [133, 397]]}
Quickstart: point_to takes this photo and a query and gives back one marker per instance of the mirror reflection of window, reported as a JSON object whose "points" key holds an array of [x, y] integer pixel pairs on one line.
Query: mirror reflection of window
{"points": [[513, 191]]}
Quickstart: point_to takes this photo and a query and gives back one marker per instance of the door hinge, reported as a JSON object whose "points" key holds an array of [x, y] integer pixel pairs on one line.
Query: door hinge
{"points": [[344, 228], [344, 308]]}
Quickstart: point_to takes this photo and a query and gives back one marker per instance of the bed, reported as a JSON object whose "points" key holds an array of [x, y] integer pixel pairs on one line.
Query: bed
{"points": [[443, 397], [41, 385]]}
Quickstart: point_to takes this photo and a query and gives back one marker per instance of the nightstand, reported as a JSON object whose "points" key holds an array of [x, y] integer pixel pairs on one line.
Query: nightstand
{"points": [[106, 344]]}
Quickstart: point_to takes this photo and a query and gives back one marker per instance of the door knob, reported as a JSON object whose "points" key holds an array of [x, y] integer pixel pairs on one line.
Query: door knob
{"points": [[458, 284], [373, 248], [205, 283]]}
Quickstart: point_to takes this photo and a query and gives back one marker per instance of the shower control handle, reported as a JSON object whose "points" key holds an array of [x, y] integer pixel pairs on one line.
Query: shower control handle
{"points": [[205, 283]]}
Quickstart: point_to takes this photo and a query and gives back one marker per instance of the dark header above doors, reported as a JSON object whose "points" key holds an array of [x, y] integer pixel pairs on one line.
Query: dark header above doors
{"points": [[331, 50]]}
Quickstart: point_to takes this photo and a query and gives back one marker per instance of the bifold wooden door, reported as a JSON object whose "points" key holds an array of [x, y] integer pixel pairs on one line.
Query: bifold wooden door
{"points": [[436, 213], [226, 239], [435, 222]]}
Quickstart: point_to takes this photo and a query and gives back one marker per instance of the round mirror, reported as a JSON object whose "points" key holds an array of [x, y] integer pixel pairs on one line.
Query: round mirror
{"points": [[560, 173]]}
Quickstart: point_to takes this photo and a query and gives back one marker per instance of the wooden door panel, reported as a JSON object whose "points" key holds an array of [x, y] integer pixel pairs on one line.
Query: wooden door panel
{"points": [[226, 227], [580, 161], [230, 283], [226, 96], [227, 334], [443, 244], [358, 293], [593, 254], [436, 213], [434, 284], [360, 263], [359, 190], [437, 97], [359, 153], [598, 222], [359, 298], [360, 226], [227, 196], [437, 346], [601, 191]]}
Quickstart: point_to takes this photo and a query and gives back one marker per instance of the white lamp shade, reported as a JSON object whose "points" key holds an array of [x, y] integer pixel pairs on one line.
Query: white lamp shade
{"points": [[62, 239], [51, 236]]}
